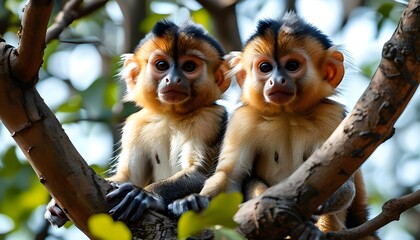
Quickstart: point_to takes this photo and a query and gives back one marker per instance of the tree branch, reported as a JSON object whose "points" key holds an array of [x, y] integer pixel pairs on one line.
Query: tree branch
{"points": [[71, 11], [27, 58], [391, 211], [367, 126], [224, 17], [134, 13], [77, 189]]}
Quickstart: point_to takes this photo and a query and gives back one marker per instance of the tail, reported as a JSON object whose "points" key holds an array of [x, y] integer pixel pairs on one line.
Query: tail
{"points": [[358, 211]]}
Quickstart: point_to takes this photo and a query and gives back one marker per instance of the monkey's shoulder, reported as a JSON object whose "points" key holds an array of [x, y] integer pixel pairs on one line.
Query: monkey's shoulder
{"points": [[204, 123], [323, 118]]}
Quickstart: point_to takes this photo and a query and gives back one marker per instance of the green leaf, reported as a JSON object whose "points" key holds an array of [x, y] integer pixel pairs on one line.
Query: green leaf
{"points": [[49, 50], [220, 212], [72, 105], [103, 227], [111, 93], [226, 234], [10, 161]]}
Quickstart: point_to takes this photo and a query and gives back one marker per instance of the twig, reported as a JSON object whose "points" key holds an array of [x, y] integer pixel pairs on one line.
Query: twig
{"points": [[72, 10], [391, 211]]}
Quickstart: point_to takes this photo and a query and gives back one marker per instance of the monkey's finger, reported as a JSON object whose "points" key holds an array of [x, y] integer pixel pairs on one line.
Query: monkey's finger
{"points": [[157, 204], [309, 232], [117, 211], [130, 212], [120, 192], [54, 219], [193, 204], [203, 202], [142, 203], [177, 208]]}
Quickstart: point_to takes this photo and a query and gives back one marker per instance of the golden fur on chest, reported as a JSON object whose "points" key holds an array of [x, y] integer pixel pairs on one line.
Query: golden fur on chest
{"points": [[169, 143], [273, 146]]}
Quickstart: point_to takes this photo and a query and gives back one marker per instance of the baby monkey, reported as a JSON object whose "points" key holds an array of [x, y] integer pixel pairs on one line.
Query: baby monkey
{"points": [[171, 146], [287, 70]]}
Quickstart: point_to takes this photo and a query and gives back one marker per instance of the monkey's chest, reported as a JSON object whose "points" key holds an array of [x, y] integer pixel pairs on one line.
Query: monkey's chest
{"points": [[172, 154], [281, 152]]}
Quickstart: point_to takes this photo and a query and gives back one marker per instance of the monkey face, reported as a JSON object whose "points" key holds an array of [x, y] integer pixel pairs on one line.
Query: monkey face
{"points": [[175, 77], [176, 69], [287, 66], [279, 77]]}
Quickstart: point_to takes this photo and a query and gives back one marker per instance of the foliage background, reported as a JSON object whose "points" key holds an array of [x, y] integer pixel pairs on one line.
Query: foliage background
{"points": [[78, 81]]}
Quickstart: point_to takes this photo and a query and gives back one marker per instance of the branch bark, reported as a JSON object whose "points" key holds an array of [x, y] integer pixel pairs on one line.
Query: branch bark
{"points": [[27, 58], [391, 211], [71, 11], [367, 126], [134, 12], [224, 17]]}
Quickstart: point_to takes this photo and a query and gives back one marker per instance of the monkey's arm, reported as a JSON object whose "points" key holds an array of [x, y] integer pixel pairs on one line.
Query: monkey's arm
{"points": [[253, 187], [341, 199], [235, 162], [155, 196]]}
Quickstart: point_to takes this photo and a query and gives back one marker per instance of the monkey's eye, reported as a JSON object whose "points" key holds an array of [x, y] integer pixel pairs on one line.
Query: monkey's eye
{"points": [[189, 66], [162, 65], [292, 65], [265, 67]]}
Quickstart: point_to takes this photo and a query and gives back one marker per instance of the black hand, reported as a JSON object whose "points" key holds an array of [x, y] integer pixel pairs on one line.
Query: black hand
{"points": [[193, 202], [307, 231], [135, 201], [55, 215]]}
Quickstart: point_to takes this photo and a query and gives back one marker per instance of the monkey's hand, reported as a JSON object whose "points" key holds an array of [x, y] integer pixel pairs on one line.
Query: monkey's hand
{"points": [[134, 202], [194, 202], [55, 215], [307, 231]]}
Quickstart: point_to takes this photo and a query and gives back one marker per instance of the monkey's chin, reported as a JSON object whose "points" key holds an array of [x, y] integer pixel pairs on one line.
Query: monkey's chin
{"points": [[173, 97], [279, 97]]}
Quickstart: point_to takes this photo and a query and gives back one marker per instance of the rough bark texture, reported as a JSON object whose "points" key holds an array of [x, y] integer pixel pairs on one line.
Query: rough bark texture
{"points": [[27, 58], [367, 126], [41, 138]]}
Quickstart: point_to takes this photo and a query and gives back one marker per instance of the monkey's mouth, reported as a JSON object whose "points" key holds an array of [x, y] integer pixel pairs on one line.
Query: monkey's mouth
{"points": [[172, 96], [280, 96]]}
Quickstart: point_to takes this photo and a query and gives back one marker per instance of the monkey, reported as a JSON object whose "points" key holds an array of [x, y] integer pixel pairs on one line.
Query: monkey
{"points": [[170, 147], [287, 70]]}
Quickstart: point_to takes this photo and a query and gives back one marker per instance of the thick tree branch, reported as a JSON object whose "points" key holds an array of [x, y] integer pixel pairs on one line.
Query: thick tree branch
{"points": [[78, 190], [367, 126], [224, 17], [27, 58], [134, 12], [391, 211], [71, 11]]}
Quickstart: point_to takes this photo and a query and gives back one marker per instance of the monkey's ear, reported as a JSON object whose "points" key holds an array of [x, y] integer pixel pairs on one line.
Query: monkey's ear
{"points": [[221, 77], [130, 71], [334, 68], [234, 59]]}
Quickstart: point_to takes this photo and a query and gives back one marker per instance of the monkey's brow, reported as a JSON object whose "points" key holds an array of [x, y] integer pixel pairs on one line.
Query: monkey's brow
{"points": [[196, 53]]}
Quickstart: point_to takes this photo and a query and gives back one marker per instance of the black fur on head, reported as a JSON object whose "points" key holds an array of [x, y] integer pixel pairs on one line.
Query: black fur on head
{"points": [[298, 26], [189, 28]]}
